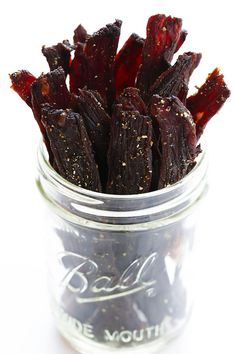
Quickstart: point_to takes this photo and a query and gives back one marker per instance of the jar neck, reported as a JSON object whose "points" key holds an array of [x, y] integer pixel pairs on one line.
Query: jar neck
{"points": [[76, 203]]}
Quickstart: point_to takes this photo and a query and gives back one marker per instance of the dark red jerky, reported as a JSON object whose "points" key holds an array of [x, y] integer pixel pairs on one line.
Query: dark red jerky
{"points": [[50, 88], [208, 100], [178, 142], [130, 153], [80, 35], [21, 84], [174, 81], [71, 147], [182, 38], [97, 123], [78, 71], [132, 101], [58, 55], [163, 38], [100, 51], [127, 63]]}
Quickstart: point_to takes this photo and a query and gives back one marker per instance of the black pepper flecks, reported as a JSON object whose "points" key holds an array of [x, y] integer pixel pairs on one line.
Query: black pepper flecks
{"points": [[58, 55], [130, 152], [90, 106], [178, 141], [71, 147]]}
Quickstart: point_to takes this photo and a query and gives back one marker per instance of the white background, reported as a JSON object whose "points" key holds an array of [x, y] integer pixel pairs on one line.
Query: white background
{"points": [[25, 320]]}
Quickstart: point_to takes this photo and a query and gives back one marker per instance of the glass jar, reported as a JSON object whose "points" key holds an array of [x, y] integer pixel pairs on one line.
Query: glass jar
{"points": [[120, 267]]}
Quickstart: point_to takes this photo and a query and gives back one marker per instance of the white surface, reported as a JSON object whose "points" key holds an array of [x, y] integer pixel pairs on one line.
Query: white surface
{"points": [[25, 320]]}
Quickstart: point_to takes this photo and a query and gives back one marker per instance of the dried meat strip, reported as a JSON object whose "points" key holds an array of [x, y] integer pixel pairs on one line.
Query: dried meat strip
{"points": [[71, 147], [208, 100], [100, 51], [58, 55], [78, 71], [132, 101], [21, 84], [127, 63], [97, 122], [182, 38], [50, 88], [163, 38], [80, 35], [174, 81], [178, 142], [130, 153]]}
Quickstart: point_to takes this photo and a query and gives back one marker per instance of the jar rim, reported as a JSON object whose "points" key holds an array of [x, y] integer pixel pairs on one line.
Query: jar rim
{"points": [[76, 190]]}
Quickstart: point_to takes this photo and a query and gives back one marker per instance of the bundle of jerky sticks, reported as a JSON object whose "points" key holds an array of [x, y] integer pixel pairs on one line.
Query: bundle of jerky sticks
{"points": [[126, 124]]}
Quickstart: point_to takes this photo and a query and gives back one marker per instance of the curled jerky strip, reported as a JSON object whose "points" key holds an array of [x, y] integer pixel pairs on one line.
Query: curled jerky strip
{"points": [[163, 38], [127, 63], [58, 55], [174, 81], [21, 83], [129, 154], [174, 123], [80, 35], [97, 122], [71, 147], [208, 100]]}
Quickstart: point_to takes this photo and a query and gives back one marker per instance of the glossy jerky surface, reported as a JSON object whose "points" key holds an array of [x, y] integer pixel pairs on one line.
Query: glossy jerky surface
{"points": [[208, 100], [71, 147], [163, 39], [178, 140], [127, 63], [21, 83]]}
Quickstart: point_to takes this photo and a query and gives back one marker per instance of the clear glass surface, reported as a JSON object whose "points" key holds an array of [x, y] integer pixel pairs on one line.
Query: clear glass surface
{"points": [[121, 267]]}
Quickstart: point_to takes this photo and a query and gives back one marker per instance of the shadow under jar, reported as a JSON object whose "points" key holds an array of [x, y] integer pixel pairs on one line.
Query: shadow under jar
{"points": [[120, 267]]}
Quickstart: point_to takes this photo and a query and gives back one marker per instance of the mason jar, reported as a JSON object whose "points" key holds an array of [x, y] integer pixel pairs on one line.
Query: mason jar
{"points": [[120, 266]]}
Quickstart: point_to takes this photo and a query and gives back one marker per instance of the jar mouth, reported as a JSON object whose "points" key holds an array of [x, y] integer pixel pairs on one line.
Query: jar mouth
{"points": [[80, 205], [50, 171]]}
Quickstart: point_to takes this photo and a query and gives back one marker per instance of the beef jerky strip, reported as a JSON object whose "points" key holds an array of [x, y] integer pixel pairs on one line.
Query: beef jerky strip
{"points": [[127, 63], [100, 51], [71, 147], [208, 100], [163, 38], [181, 40], [50, 88], [97, 122], [132, 101], [21, 84], [177, 137], [174, 81], [80, 35], [58, 55], [129, 154], [78, 71]]}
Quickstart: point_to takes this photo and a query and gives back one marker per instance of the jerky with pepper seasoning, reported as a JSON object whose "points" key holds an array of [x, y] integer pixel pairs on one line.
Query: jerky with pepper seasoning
{"points": [[132, 101], [127, 62], [21, 84], [97, 122], [130, 153], [163, 39], [174, 81], [71, 147], [80, 35], [100, 51], [178, 141], [208, 100], [58, 55], [50, 88]]}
